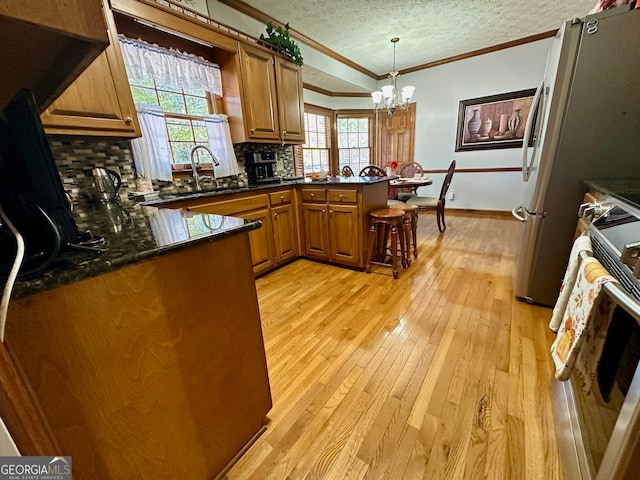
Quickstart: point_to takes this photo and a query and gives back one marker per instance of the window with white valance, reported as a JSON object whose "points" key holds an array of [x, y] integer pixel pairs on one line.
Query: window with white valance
{"points": [[174, 95]]}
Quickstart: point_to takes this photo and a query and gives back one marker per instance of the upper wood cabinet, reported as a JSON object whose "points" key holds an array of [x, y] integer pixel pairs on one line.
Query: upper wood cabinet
{"points": [[290, 101], [272, 96], [99, 102], [46, 44], [260, 98]]}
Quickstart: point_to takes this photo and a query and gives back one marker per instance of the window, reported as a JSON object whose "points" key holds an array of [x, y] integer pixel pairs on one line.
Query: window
{"points": [[315, 152], [354, 140], [184, 113]]}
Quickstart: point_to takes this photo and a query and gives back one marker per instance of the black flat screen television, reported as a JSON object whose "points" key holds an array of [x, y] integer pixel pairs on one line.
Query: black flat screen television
{"points": [[31, 191]]}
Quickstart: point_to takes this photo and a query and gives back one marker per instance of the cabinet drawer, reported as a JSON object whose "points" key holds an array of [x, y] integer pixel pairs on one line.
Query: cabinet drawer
{"points": [[343, 196], [231, 207], [280, 198], [314, 195]]}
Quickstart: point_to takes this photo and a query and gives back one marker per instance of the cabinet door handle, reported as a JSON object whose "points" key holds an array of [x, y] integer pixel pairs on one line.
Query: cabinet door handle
{"points": [[253, 130], [341, 196], [128, 120], [313, 195], [323, 210], [282, 198], [275, 215], [331, 211]]}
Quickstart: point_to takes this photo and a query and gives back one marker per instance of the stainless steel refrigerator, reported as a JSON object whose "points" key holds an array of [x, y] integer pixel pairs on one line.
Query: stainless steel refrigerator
{"points": [[584, 124]]}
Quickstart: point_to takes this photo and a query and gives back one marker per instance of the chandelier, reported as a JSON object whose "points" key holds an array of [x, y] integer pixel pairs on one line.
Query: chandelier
{"points": [[389, 96]]}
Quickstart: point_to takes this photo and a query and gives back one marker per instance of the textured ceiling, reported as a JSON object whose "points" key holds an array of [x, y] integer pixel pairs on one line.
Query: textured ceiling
{"points": [[429, 30]]}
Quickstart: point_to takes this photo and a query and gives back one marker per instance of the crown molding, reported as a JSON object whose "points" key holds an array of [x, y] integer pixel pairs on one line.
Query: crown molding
{"points": [[256, 14]]}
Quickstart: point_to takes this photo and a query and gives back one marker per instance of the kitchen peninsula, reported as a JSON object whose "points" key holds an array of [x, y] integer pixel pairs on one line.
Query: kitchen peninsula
{"points": [[147, 360]]}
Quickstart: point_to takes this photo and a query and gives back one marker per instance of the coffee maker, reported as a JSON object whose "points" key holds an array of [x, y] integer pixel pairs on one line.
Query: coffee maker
{"points": [[260, 167]]}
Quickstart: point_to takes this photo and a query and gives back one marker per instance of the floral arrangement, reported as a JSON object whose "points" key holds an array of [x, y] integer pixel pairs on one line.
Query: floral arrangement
{"points": [[393, 164]]}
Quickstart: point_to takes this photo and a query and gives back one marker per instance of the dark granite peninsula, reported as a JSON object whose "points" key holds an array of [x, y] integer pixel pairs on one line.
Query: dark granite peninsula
{"points": [[146, 360]]}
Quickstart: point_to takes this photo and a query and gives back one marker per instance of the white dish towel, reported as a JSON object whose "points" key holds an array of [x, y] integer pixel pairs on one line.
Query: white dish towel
{"points": [[582, 243]]}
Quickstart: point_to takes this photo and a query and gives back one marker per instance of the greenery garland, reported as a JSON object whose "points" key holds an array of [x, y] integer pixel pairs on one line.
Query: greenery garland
{"points": [[279, 38]]}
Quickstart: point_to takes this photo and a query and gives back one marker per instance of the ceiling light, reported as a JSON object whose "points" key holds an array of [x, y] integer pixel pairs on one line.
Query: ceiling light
{"points": [[389, 96]]}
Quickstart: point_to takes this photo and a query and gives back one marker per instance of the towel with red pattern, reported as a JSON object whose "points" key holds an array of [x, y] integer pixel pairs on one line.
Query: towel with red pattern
{"points": [[583, 329]]}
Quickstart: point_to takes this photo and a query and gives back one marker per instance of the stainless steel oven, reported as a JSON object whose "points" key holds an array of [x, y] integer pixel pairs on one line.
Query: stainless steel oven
{"points": [[599, 433]]}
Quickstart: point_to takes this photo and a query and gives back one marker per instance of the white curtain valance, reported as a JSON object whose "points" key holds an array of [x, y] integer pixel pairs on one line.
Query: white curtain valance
{"points": [[145, 62]]}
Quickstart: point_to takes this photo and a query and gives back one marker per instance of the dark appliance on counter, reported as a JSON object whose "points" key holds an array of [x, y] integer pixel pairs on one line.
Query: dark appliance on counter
{"points": [[599, 433], [261, 167], [582, 124], [31, 192]]}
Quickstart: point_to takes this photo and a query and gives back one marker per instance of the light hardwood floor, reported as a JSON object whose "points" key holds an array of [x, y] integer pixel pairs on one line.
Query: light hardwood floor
{"points": [[440, 374]]}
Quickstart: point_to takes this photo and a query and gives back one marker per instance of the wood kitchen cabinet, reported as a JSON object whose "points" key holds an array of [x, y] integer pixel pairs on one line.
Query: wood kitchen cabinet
{"points": [[46, 44], [272, 96], [283, 222], [276, 241], [332, 227], [156, 370], [99, 102]]}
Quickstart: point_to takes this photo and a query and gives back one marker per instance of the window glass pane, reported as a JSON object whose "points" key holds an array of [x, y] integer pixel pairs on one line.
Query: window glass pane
{"points": [[181, 152], [363, 139], [200, 131], [144, 95], [197, 106], [168, 88], [342, 124], [172, 102], [343, 140], [179, 129], [143, 83], [363, 124], [313, 140], [353, 140]]}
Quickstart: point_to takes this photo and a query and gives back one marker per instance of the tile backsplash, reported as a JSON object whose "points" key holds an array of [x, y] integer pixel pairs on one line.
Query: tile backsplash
{"points": [[74, 155]]}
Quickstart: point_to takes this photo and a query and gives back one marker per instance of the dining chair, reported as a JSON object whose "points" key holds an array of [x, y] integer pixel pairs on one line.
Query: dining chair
{"points": [[347, 171], [436, 203], [372, 171], [409, 170]]}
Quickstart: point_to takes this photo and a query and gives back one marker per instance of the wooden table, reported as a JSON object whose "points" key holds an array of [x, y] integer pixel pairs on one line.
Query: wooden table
{"points": [[407, 184]]}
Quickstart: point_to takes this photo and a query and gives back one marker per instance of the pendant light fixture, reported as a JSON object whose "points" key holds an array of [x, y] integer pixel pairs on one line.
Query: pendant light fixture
{"points": [[389, 96]]}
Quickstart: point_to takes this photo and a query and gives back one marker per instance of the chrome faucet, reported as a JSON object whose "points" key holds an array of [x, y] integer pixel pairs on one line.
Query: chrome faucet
{"points": [[195, 165]]}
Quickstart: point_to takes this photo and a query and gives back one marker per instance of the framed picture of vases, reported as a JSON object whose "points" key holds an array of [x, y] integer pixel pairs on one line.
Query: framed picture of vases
{"points": [[497, 121]]}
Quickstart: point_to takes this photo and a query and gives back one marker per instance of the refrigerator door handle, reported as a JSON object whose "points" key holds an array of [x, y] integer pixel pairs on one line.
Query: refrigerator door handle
{"points": [[521, 213], [535, 105]]}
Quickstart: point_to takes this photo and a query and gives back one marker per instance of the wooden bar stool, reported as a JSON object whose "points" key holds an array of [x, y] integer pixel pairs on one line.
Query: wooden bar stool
{"points": [[411, 213], [380, 219]]}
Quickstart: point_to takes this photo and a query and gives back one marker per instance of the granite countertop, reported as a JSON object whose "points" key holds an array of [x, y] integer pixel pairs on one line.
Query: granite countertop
{"points": [[330, 181], [626, 189], [132, 233]]}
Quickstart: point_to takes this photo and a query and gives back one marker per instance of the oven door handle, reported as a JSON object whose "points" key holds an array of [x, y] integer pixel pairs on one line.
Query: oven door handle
{"points": [[522, 213]]}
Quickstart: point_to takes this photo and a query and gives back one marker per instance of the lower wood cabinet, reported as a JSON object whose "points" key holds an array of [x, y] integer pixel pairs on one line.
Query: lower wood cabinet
{"points": [[276, 242], [328, 223], [156, 370], [344, 234], [284, 233], [261, 240]]}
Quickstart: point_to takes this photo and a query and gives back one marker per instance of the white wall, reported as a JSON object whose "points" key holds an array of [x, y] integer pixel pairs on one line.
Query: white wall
{"points": [[439, 91]]}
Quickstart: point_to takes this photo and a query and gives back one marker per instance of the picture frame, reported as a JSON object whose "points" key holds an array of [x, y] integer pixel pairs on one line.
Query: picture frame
{"points": [[495, 121]]}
